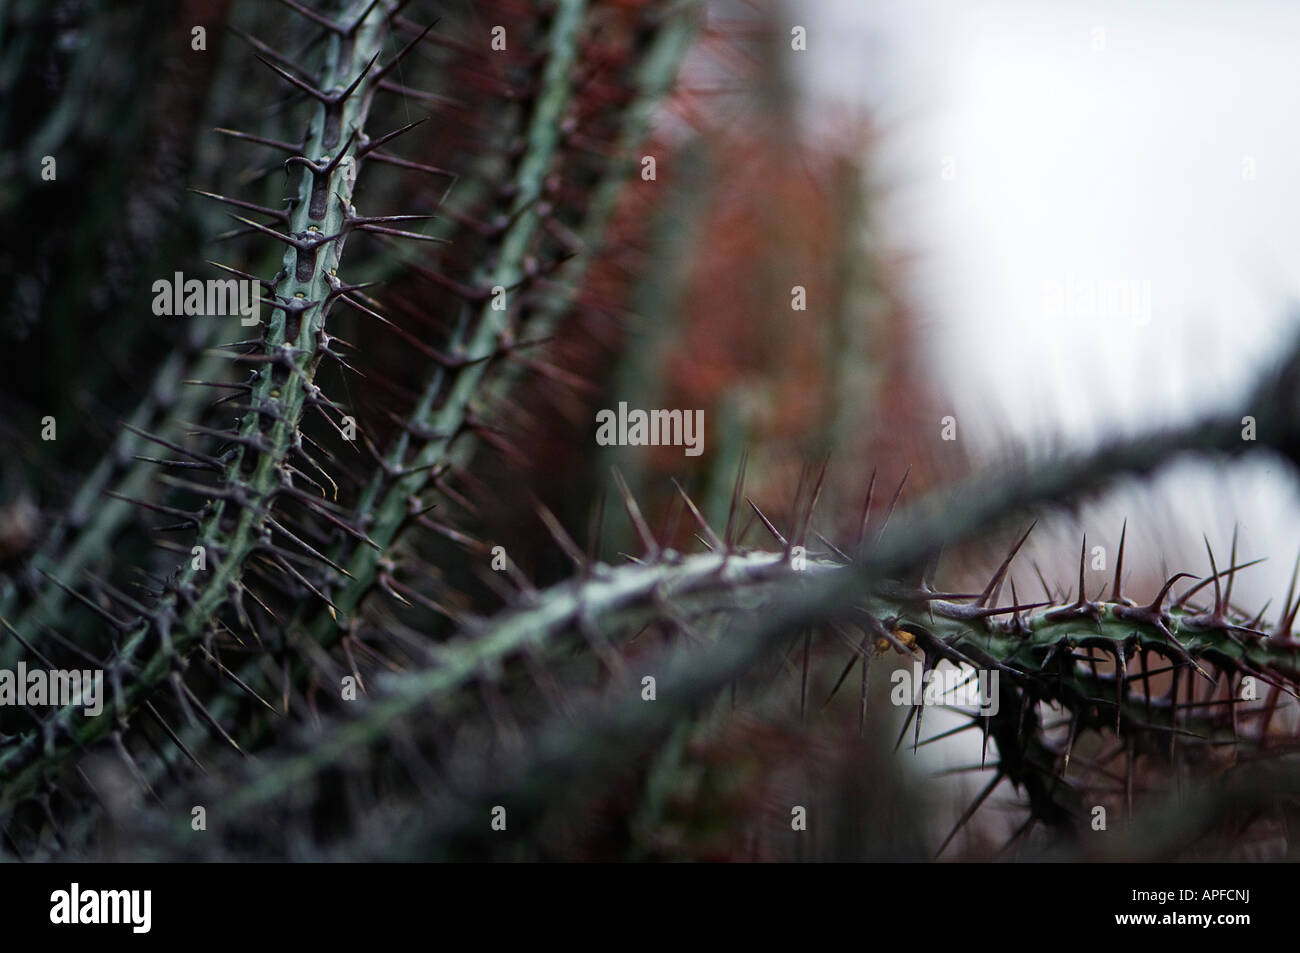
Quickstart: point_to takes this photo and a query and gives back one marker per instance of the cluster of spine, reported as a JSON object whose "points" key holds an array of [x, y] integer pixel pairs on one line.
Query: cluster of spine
{"points": [[292, 537], [487, 350], [495, 687], [316, 556], [236, 522], [103, 262]]}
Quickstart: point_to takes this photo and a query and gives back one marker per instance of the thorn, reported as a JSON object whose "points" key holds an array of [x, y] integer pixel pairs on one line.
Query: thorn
{"points": [[1083, 549], [24, 643], [312, 15], [862, 697], [288, 77], [356, 24], [848, 667], [372, 144], [737, 494], [473, 295], [260, 140], [1015, 618], [432, 99], [595, 531], [278, 558], [1152, 615], [969, 812], [352, 88], [1069, 743], [1214, 574], [1232, 570], [1047, 592], [866, 514], [1121, 683], [832, 547], [407, 336], [648, 542], [187, 518], [194, 454], [275, 524], [1182, 600], [1115, 595], [399, 233], [1002, 569], [132, 767], [287, 239], [261, 47], [175, 739], [767, 523], [402, 53], [278, 214], [713, 540], [1255, 622], [1289, 609], [268, 285], [801, 536], [893, 503], [561, 537], [387, 158]]}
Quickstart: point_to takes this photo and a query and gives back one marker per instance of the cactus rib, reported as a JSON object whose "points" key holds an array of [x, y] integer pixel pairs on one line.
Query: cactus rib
{"points": [[1034, 652], [283, 390]]}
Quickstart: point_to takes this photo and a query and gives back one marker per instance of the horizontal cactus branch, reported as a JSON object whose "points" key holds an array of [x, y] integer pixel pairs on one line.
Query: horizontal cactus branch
{"points": [[821, 596], [1044, 653]]}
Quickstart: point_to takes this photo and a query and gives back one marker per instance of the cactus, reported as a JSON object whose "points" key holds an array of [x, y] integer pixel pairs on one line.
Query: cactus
{"points": [[348, 540], [293, 344], [1048, 655]]}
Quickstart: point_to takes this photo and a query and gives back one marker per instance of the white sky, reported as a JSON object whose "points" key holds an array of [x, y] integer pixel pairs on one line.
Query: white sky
{"points": [[1093, 141], [1149, 145]]}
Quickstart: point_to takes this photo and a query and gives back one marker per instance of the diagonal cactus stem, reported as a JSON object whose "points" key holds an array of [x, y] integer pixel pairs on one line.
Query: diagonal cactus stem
{"points": [[1033, 652], [738, 607], [929, 527], [825, 591], [385, 494], [281, 393], [284, 387], [387, 503], [64, 554], [613, 598], [384, 505]]}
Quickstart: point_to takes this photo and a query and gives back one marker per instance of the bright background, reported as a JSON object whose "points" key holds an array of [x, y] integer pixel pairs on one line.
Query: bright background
{"points": [[1148, 143], [1151, 143]]}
